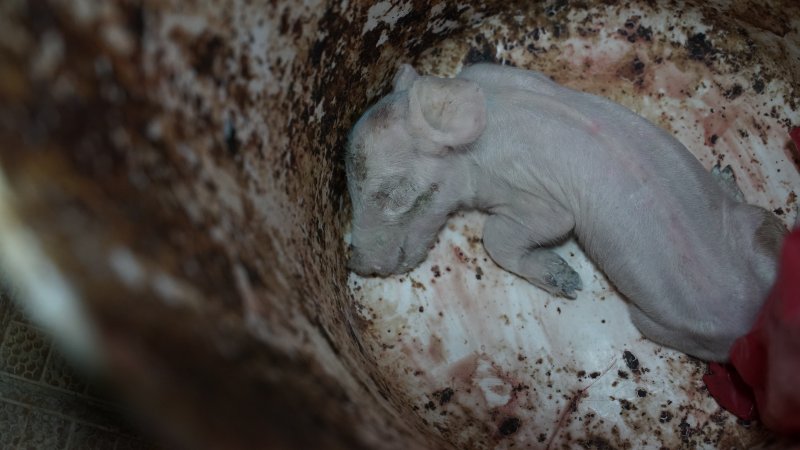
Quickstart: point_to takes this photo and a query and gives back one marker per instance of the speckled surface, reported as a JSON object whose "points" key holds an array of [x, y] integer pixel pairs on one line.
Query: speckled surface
{"points": [[178, 167]]}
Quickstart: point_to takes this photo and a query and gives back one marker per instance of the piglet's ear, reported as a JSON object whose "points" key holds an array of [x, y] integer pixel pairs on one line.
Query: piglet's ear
{"points": [[404, 77], [448, 111]]}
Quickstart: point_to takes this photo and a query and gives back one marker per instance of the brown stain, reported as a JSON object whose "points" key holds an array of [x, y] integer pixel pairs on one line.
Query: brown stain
{"points": [[436, 350], [464, 369], [460, 255], [763, 17], [792, 154]]}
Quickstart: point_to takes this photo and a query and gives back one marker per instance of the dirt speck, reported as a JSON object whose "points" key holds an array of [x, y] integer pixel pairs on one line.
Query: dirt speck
{"points": [[596, 442], [444, 396], [700, 48], [735, 91], [627, 405], [631, 361], [509, 426]]}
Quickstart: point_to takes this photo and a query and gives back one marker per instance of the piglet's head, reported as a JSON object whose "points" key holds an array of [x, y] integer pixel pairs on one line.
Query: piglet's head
{"points": [[401, 172]]}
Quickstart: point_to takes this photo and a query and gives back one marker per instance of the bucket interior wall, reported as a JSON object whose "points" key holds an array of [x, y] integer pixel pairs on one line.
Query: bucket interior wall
{"points": [[177, 169]]}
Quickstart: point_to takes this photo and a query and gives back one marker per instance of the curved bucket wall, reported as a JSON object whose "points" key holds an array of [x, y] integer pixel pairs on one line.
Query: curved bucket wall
{"points": [[173, 206]]}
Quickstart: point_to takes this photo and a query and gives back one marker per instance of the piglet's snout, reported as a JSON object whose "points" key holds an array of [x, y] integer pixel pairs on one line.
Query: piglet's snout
{"points": [[357, 264], [361, 265]]}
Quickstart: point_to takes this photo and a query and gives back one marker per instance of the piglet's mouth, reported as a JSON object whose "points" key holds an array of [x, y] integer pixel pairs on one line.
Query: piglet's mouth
{"points": [[391, 261], [356, 264]]}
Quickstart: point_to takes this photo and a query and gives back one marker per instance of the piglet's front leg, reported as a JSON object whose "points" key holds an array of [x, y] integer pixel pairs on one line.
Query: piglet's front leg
{"points": [[505, 241]]}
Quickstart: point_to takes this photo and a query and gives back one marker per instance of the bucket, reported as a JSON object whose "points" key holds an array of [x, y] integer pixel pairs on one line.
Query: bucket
{"points": [[173, 207]]}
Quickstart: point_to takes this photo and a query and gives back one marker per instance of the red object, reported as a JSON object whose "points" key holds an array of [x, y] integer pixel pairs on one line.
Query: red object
{"points": [[763, 378], [729, 390], [768, 358], [794, 133]]}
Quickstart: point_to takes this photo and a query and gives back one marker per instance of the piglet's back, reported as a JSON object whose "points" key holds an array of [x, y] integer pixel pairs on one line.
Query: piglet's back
{"points": [[675, 244], [646, 211]]}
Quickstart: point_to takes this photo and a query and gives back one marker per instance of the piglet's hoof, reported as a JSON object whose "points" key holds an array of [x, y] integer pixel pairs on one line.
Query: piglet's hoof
{"points": [[562, 280], [727, 181]]}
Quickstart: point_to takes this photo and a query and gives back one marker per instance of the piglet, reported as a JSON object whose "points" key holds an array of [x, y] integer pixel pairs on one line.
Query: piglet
{"points": [[546, 162]]}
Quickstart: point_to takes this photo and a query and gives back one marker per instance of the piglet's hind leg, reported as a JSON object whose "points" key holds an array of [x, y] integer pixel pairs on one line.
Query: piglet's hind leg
{"points": [[508, 245]]}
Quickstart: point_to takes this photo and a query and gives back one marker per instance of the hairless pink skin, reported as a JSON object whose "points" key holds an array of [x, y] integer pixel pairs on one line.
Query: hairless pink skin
{"points": [[545, 161]]}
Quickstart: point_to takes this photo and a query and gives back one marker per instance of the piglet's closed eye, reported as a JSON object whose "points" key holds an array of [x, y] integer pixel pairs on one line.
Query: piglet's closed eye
{"points": [[395, 195], [449, 112]]}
